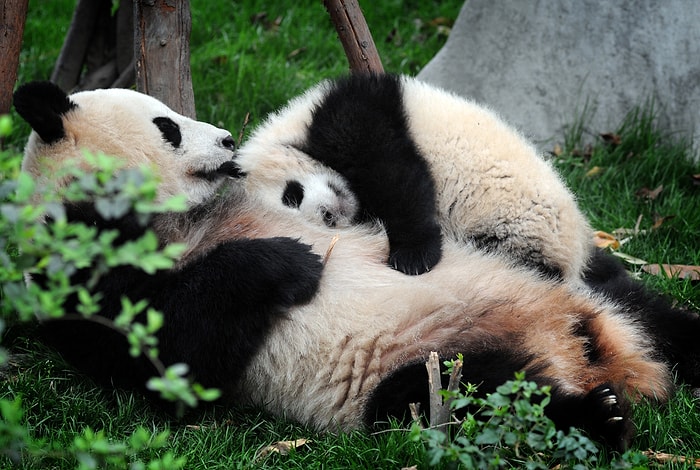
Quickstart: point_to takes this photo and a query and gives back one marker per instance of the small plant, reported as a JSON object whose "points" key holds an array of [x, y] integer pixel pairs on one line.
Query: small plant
{"points": [[505, 429], [37, 240]]}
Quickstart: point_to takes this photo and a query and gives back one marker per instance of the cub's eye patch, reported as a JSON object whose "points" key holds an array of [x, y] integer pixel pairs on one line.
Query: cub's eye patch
{"points": [[169, 129], [293, 194]]}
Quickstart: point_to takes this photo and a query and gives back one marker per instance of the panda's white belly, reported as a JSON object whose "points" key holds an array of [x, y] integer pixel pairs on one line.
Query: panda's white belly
{"points": [[320, 364]]}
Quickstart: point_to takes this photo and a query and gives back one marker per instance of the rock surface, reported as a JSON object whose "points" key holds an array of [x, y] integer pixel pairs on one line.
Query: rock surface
{"points": [[541, 64]]}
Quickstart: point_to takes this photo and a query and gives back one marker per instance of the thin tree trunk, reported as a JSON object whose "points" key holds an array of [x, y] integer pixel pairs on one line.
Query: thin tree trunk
{"points": [[162, 52], [12, 16], [66, 72], [354, 35]]}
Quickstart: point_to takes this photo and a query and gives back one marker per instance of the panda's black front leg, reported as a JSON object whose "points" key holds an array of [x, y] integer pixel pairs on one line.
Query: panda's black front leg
{"points": [[220, 307], [415, 249], [130, 226], [361, 131], [255, 273], [217, 311]]}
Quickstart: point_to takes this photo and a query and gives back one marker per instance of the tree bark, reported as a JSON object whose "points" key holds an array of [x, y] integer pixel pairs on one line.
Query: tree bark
{"points": [[162, 52], [12, 16], [66, 72], [355, 36]]}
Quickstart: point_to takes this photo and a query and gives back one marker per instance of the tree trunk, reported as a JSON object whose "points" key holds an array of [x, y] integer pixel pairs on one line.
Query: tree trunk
{"points": [[354, 35], [162, 52], [12, 16], [66, 72]]}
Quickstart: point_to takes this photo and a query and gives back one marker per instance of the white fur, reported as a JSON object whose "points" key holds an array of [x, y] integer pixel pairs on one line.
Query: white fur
{"points": [[489, 179], [119, 122], [328, 198], [322, 361]]}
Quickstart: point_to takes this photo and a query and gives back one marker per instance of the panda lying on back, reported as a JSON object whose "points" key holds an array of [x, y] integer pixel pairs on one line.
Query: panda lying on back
{"points": [[219, 302], [426, 163], [240, 306]]}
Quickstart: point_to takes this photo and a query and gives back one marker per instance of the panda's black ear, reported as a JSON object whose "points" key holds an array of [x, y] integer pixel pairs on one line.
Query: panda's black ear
{"points": [[42, 105]]}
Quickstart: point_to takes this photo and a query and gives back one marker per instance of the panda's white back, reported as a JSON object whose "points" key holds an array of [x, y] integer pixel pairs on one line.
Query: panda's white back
{"points": [[490, 181]]}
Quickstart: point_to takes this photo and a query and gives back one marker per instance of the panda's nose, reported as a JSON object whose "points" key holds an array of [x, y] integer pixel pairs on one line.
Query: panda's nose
{"points": [[229, 143]]}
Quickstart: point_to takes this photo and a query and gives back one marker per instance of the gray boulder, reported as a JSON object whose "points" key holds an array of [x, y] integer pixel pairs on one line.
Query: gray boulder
{"points": [[540, 64]]}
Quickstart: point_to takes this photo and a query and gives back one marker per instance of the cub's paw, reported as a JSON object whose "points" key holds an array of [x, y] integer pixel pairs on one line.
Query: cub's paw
{"points": [[293, 271], [609, 416], [415, 258]]}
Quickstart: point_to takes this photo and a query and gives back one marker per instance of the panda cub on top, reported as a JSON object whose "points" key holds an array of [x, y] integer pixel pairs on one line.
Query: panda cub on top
{"points": [[338, 344], [423, 161]]}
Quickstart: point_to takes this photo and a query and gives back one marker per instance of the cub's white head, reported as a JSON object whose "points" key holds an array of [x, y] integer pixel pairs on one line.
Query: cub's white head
{"points": [[281, 175]]}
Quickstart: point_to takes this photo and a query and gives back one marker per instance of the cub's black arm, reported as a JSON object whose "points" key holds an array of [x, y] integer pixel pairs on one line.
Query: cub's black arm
{"points": [[360, 130]]}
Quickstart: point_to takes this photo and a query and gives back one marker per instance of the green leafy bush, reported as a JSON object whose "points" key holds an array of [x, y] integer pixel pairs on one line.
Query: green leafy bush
{"points": [[507, 428], [37, 240]]}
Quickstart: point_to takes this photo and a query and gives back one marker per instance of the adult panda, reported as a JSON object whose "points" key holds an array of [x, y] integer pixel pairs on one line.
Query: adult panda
{"points": [[239, 306], [235, 290], [425, 162]]}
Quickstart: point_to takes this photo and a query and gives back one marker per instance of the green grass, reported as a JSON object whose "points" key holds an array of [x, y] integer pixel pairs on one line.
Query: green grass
{"points": [[239, 67]]}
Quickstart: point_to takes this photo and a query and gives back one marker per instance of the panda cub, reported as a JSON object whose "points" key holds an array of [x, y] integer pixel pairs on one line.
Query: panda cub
{"points": [[426, 163], [221, 298], [339, 344]]}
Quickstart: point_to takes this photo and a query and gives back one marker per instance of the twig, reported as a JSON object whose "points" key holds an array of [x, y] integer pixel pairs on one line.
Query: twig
{"points": [[334, 240], [354, 35], [663, 458], [440, 411], [240, 134]]}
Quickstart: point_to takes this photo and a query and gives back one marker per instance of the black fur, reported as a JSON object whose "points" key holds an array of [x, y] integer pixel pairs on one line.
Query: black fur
{"points": [[361, 131], [218, 308], [293, 194], [42, 105], [603, 412], [488, 369], [675, 331], [170, 130]]}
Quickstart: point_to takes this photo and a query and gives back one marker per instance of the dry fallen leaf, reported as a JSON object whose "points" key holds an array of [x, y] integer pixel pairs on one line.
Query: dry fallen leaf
{"points": [[659, 220], [605, 240], [696, 179], [594, 171], [611, 138], [629, 258], [296, 52], [557, 151], [650, 194], [282, 447], [683, 271]]}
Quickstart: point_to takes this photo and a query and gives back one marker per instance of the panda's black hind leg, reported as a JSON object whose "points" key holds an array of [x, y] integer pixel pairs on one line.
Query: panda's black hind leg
{"points": [[609, 416], [674, 331], [604, 412]]}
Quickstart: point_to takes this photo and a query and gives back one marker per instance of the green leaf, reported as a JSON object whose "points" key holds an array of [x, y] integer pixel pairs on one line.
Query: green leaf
{"points": [[5, 125]]}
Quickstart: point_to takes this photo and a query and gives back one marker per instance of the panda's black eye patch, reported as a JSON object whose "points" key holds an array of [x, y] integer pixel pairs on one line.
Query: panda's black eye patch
{"points": [[293, 194], [169, 129]]}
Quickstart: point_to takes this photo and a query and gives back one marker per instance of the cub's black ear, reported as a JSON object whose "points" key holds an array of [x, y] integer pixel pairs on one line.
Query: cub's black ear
{"points": [[42, 105]]}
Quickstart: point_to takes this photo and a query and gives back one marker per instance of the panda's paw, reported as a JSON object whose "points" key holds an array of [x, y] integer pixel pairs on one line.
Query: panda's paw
{"points": [[417, 258], [293, 270], [608, 415]]}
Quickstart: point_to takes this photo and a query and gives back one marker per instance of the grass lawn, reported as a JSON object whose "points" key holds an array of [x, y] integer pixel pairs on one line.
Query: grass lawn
{"points": [[240, 65]]}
